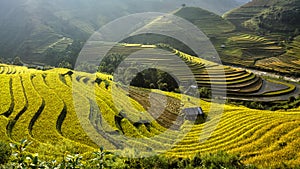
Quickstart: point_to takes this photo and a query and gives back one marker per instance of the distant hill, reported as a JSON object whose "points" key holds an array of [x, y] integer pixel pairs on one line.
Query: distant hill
{"points": [[208, 22], [267, 15], [211, 24], [242, 1], [42, 30]]}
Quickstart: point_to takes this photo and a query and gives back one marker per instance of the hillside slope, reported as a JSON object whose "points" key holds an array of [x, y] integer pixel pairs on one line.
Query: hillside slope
{"points": [[213, 26], [268, 15], [33, 29]]}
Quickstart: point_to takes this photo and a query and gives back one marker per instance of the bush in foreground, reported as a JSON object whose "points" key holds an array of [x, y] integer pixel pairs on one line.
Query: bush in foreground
{"points": [[104, 159], [5, 153]]}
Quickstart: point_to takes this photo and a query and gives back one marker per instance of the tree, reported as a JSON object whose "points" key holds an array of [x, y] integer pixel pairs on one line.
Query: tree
{"points": [[163, 86], [17, 61], [152, 86], [164, 77], [138, 81], [86, 67], [292, 99], [205, 92], [183, 5], [107, 84], [98, 80], [110, 63], [65, 64]]}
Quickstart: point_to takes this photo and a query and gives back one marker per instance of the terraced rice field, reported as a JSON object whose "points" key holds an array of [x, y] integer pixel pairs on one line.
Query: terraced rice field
{"points": [[238, 84], [38, 105], [265, 138], [287, 62], [274, 52], [246, 49]]}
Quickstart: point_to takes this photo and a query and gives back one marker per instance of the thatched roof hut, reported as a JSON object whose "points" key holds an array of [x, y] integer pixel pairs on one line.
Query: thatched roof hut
{"points": [[193, 113]]}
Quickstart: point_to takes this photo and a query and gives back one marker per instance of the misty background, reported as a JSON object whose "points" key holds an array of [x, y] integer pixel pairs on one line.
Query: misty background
{"points": [[36, 30]]}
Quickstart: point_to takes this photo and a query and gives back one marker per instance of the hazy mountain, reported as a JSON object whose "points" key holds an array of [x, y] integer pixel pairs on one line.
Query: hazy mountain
{"points": [[242, 1], [212, 25], [34, 29], [267, 15]]}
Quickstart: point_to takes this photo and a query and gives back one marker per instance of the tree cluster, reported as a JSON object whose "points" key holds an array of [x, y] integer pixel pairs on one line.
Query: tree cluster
{"points": [[154, 79], [291, 103], [66, 58], [110, 63], [130, 75], [278, 19]]}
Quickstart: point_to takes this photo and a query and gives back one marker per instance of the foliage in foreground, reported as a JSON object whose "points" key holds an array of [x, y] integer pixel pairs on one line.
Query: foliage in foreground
{"points": [[103, 159], [5, 153]]}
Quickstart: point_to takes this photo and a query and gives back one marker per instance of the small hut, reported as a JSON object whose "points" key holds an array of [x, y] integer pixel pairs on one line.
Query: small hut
{"points": [[193, 114]]}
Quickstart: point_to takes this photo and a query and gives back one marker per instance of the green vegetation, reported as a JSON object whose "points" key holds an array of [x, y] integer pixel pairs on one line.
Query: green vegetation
{"points": [[104, 159], [110, 63], [17, 61], [154, 79], [283, 14], [5, 153]]}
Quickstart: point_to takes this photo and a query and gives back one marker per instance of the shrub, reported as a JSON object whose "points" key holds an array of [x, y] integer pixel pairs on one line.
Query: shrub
{"points": [[101, 160], [5, 153], [105, 159], [222, 160], [147, 162], [107, 84], [17, 61]]}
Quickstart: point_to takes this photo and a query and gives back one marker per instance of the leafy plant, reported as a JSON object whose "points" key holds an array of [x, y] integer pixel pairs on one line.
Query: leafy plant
{"points": [[72, 162], [104, 159], [19, 151], [100, 160], [21, 159], [222, 160], [5, 153]]}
